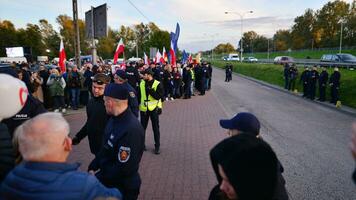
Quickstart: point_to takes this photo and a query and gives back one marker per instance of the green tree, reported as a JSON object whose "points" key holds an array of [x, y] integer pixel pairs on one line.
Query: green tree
{"points": [[282, 40], [50, 38], [223, 48], [302, 30], [8, 36]]}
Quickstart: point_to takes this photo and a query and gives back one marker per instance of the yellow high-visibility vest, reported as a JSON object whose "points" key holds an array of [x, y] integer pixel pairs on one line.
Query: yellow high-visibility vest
{"points": [[149, 103], [192, 73]]}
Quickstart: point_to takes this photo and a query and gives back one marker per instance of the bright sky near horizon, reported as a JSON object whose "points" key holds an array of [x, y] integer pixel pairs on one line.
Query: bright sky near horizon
{"points": [[203, 23]]}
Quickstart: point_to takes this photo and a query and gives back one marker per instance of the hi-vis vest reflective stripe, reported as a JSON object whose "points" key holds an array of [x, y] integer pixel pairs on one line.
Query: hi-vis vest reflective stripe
{"points": [[192, 73], [149, 103]]}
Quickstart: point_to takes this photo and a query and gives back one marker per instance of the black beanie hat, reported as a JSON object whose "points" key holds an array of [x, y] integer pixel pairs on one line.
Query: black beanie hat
{"points": [[250, 165]]}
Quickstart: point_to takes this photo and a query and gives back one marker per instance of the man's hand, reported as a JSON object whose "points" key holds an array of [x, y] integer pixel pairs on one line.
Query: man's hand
{"points": [[75, 140], [353, 141]]}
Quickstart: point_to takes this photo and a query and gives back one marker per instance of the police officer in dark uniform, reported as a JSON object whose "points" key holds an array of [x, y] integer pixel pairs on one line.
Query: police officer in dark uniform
{"points": [[334, 83], [118, 161], [323, 81], [210, 75], [313, 78], [120, 77], [187, 79], [204, 73], [132, 75], [96, 116], [286, 75], [304, 79]]}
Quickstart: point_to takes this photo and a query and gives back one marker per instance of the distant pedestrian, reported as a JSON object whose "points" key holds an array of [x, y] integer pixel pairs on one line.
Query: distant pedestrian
{"points": [[304, 80], [246, 168], [313, 78], [187, 79], [334, 83], [323, 81], [228, 72], [286, 75], [56, 86], [293, 74], [74, 84], [45, 174], [210, 75]]}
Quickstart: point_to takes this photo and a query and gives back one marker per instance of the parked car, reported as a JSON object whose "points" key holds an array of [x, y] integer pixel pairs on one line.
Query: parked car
{"points": [[233, 57], [224, 58], [338, 58], [283, 59], [250, 59]]}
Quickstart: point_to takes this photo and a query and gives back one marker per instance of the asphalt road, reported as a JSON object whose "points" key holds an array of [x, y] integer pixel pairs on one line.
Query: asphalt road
{"points": [[311, 141]]}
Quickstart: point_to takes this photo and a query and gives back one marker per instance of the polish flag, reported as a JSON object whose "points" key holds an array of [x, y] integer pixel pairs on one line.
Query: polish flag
{"points": [[62, 58], [172, 54], [158, 57], [119, 49], [165, 56], [190, 58], [145, 57]]}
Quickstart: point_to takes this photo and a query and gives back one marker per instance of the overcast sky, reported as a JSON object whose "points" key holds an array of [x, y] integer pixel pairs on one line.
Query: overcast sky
{"points": [[203, 22]]}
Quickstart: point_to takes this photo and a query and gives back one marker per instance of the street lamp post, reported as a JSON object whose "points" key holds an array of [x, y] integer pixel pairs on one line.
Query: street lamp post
{"points": [[341, 22], [242, 20]]}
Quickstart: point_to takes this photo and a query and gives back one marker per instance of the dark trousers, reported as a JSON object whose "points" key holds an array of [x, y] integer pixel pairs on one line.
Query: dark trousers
{"points": [[187, 90], [305, 89], [145, 116], [291, 85], [58, 102], [202, 86], [75, 93], [312, 91], [286, 82], [334, 94], [322, 90], [209, 84]]}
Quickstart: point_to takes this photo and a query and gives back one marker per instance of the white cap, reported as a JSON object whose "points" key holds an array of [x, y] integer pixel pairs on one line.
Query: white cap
{"points": [[13, 95]]}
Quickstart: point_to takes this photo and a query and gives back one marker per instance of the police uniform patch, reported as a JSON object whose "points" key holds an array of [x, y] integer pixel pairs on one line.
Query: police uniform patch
{"points": [[132, 94], [124, 154]]}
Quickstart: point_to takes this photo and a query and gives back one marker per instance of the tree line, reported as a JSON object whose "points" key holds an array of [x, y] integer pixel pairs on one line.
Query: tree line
{"points": [[311, 30], [43, 39]]}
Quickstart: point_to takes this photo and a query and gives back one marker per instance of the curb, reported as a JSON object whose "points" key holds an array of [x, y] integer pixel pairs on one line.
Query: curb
{"points": [[344, 109]]}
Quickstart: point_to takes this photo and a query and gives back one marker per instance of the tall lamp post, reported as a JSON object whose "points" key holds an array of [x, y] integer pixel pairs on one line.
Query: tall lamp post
{"points": [[242, 20], [341, 21], [212, 39]]}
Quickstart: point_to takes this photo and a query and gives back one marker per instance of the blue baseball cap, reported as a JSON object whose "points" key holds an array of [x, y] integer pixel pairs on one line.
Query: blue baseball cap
{"points": [[116, 91], [121, 73], [244, 121]]}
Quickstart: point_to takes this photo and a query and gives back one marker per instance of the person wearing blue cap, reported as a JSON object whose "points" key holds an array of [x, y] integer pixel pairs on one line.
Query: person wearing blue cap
{"points": [[120, 77], [118, 161], [245, 123]]}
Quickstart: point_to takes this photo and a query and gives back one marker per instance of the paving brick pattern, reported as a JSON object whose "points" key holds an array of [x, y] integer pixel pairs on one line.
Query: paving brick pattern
{"points": [[189, 129]]}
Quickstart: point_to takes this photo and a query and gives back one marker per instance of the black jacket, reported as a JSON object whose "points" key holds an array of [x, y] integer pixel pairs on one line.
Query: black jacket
{"points": [[323, 78], [7, 154], [132, 76], [31, 108], [95, 125], [335, 79], [121, 154]]}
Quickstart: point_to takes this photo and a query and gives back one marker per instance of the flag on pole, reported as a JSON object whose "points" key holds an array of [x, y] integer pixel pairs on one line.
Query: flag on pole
{"points": [[172, 54], [62, 57], [164, 54], [158, 57], [119, 49], [190, 58], [184, 57], [145, 57]]}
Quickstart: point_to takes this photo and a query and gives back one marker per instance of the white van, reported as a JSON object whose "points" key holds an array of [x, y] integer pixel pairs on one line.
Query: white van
{"points": [[233, 57]]}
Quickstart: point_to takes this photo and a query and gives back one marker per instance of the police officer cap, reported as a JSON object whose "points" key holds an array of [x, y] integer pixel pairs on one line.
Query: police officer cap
{"points": [[121, 73], [244, 121], [148, 71], [116, 91]]}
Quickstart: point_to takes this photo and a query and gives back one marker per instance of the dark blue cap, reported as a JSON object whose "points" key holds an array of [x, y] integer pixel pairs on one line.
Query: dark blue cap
{"points": [[116, 91], [245, 122], [121, 73]]}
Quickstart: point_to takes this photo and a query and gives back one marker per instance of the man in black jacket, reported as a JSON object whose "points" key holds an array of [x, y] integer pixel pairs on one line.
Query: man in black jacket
{"points": [[304, 80], [334, 83], [323, 81], [96, 116], [117, 163]]}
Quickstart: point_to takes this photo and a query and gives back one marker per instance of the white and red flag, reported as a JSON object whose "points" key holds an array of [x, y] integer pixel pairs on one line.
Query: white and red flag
{"points": [[164, 55], [172, 54], [62, 57], [190, 58], [145, 57], [158, 57], [119, 50]]}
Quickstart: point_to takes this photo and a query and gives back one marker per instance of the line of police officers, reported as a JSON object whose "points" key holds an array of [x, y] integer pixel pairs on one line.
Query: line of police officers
{"points": [[310, 78]]}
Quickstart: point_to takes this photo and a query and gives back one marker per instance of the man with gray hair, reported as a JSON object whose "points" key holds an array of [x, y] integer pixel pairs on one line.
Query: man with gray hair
{"points": [[44, 174]]}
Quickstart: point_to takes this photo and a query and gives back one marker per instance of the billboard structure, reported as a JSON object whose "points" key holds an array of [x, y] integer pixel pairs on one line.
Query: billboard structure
{"points": [[98, 17]]}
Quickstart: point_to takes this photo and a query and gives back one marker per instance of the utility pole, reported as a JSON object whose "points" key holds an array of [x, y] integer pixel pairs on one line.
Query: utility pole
{"points": [[268, 48], [93, 47], [76, 29]]}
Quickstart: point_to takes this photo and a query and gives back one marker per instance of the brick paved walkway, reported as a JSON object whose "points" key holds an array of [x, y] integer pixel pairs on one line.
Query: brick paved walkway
{"points": [[189, 129]]}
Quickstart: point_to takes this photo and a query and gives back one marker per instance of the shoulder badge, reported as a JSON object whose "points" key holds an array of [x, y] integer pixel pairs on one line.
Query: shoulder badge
{"points": [[132, 94], [124, 154]]}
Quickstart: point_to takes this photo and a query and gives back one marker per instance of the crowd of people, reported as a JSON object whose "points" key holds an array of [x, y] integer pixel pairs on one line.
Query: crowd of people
{"points": [[312, 80]]}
